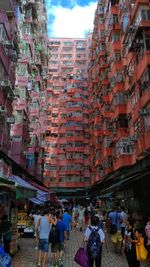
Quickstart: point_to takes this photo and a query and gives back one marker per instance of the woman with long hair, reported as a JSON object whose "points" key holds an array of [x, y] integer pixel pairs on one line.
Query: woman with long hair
{"points": [[130, 244]]}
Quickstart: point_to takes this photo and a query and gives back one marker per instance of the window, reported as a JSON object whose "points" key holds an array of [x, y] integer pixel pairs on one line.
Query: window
{"points": [[144, 82], [2, 71], [22, 69], [145, 14], [124, 147], [147, 42], [125, 21], [3, 35], [53, 62], [67, 43], [26, 29]]}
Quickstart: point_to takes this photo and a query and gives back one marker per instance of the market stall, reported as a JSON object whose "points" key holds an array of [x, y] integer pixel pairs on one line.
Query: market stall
{"points": [[24, 191]]}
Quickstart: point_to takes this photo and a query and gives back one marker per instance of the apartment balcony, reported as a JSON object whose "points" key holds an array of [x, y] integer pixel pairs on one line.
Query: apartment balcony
{"points": [[107, 114], [108, 170], [142, 146], [122, 161], [97, 133], [142, 65], [22, 81], [136, 7], [120, 133], [4, 20], [105, 81], [106, 151], [34, 112], [145, 98], [115, 46], [5, 60], [4, 140], [106, 132], [117, 66], [119, 109], [118, 87], [135, 111], [20, 104], [107, 98]]}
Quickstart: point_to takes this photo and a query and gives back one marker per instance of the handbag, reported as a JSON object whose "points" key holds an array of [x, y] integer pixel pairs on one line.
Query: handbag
{"points": [[141, 252], [81, 257]]}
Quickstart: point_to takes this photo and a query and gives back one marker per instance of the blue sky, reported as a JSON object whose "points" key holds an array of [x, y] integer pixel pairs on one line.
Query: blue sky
{"points": [[70, 18]]}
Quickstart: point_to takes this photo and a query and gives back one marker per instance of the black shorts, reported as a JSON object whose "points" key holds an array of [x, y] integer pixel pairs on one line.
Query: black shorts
{"points": [[57, 247]]}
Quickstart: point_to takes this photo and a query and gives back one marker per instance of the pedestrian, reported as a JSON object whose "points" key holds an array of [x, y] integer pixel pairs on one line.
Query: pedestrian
{"points": [[130, 241], [43, 230], [81, 217], [63, 238], [115, 229], [67, 219], [36, 216], [86, 217], [124, 218], [75, 215], [147, 233], [94, 238], [6, 232]]}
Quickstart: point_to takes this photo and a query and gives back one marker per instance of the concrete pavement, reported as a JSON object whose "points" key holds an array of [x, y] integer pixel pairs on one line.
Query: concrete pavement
{"points": [[27, 256]]}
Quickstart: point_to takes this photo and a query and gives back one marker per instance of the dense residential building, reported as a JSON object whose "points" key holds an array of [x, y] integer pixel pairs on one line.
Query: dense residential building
{"points": [[24, 63], [8, 54], [67, 134], [119, 82]]}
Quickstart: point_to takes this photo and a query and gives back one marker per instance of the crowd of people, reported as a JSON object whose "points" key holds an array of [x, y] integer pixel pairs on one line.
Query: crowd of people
{"points": [[129, 233]]}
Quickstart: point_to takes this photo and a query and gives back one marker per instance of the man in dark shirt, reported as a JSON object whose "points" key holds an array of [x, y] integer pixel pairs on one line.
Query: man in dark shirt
{"points": [[59, 247]]}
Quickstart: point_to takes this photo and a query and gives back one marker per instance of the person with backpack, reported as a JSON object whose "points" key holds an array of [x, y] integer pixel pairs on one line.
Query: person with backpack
{"points": [[57, 238], [94, 238]]}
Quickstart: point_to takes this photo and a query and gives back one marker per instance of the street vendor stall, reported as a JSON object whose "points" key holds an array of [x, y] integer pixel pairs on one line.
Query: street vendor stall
{"points": [[24, 191]]}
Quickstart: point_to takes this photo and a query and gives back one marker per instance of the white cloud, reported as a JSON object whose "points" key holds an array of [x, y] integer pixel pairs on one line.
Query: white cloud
{"points": [[71, 22]]}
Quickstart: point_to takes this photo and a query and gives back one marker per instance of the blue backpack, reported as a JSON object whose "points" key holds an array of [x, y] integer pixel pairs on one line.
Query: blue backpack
{"points": [[94, 245]]}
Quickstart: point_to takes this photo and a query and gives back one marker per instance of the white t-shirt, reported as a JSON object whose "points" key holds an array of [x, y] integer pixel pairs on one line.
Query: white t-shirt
{"points": [[100, 232], [124, 218], [81, 214]]}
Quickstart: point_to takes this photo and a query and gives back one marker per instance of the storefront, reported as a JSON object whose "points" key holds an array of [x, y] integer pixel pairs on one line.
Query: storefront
{"points": [[24, 191], [8, 206]]}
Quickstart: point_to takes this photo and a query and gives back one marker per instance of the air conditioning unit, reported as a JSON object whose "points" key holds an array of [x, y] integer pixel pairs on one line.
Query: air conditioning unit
{"points": [[133, 138], [144, 112], [11, 120], [2, 109], [5, 83], [8, 44], [10, 96]]}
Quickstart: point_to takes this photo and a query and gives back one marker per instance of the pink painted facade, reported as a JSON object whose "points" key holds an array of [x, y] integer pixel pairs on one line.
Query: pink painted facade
{"points": [[67, 132], [23, 73], [7, 73]]}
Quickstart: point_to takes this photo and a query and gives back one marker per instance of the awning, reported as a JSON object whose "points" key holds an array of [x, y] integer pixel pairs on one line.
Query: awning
{"points": [[40, 187], [4, 183], [41, 198], [42, 195], [23, 189]]}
